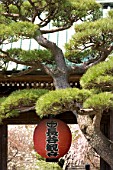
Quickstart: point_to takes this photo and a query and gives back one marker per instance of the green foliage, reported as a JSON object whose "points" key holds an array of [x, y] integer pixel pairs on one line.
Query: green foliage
{"points": [[13, 9], [99, 78], [17, 30], [5, 32], [48, 165], [57, 101], [43, 165], [96, 15], [27, 97], [82, 7], [102, 101], [90, 39], [40, 158], [79, 56], [61, 12], [93, 28], [3, 19], [24, 8], [100, 73], [111, 13], [68, 10], [103, 83], [24, 28], [31, 55], [2, 99]]}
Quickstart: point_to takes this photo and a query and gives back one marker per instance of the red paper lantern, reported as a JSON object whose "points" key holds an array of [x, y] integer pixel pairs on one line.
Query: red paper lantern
{"points": [[52, 138]]}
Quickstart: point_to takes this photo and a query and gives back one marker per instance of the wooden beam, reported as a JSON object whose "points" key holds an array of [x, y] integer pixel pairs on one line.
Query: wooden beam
{"points": [[36, 77], [32, 118], [104, 165], [3, 147]]}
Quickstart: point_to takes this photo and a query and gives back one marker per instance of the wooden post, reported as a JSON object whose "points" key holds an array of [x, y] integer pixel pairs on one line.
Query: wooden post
{"points": [[104, 165], [3, 147], [111, 126], [105, 128]]}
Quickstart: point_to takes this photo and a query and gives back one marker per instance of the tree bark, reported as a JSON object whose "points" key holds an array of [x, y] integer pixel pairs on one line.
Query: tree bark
{"points": [[60, 82], [60, 73], [91, 130]]}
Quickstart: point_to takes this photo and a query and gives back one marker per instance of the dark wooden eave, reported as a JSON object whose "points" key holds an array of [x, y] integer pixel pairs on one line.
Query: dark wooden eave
{"points": [[36, 79], [32, 118]]}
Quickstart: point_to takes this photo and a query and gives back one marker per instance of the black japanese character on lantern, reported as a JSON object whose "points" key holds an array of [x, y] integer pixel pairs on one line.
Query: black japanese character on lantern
{"points": [[52, 139]]}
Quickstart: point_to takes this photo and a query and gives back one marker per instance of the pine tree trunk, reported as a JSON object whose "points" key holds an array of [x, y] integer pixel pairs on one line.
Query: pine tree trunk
{"points": [[61, 82], [101, 144]]}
